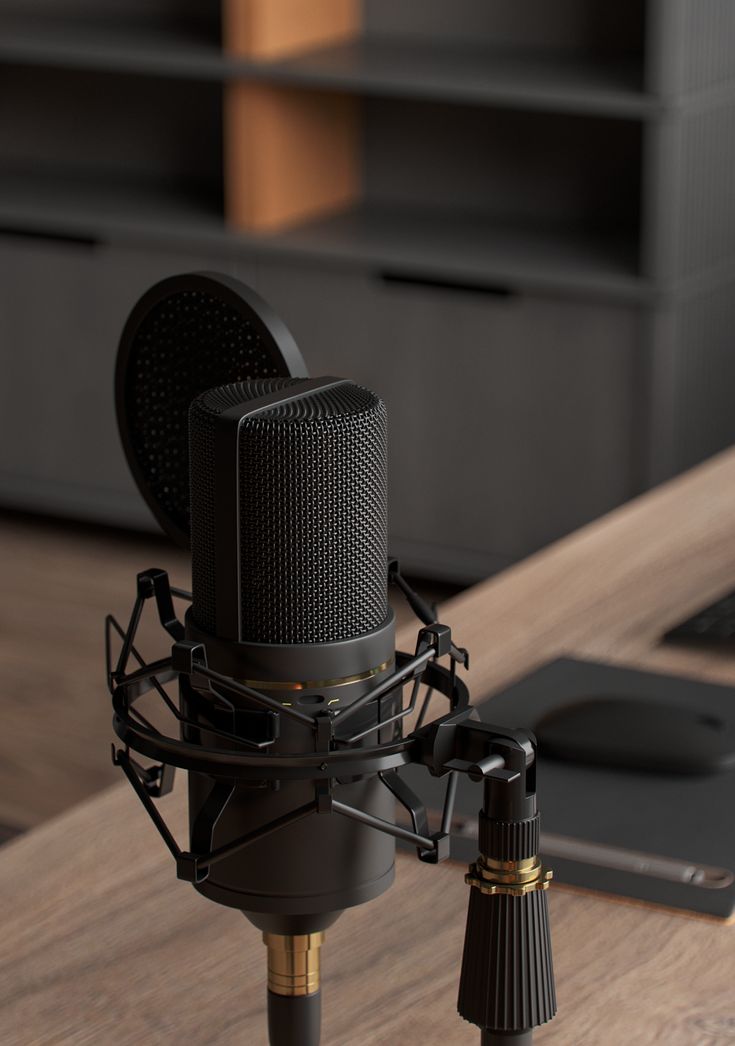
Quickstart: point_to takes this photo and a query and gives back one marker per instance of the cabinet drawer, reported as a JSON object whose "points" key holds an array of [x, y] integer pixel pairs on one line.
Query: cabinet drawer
{"points": [[62, 308], [511, 417]]}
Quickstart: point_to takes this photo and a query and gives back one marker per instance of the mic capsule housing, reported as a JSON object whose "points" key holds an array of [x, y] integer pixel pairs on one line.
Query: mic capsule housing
{"points": [[300, 522]]}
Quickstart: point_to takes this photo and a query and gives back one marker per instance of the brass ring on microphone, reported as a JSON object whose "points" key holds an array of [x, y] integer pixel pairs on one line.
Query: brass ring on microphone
{"points": [[294, 963], [508, 877], [317, 684]]}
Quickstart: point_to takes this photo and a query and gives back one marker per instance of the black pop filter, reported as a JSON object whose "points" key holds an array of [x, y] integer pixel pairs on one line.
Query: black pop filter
{"points": [[188, 334]]}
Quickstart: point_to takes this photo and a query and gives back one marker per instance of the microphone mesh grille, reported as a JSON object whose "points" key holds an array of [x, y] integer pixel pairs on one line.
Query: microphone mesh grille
{"points": [[313, 513]]}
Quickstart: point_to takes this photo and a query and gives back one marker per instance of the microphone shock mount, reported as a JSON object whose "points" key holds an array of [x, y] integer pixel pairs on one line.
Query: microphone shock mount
{"points": [[506, 984]]}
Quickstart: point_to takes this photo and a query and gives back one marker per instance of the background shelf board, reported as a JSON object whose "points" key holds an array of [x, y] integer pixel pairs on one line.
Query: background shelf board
{"points": [[368, 66], [397, 241], [100, 209], [469, 75], [114, 45], [469, 248]]}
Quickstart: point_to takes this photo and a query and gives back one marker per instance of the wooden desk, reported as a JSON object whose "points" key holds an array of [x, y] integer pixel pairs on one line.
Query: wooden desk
{"points": [[102, 946]]}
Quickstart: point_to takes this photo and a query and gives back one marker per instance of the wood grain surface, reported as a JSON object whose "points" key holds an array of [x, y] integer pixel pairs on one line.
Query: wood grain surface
{"points": [[101, 944], [58, 581]]}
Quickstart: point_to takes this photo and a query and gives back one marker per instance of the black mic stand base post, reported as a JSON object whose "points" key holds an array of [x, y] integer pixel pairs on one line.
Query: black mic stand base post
{"points": [[294, 1020], [509, 1038], [294, 988]]}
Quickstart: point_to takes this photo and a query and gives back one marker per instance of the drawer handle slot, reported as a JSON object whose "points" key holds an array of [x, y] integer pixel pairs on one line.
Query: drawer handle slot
{"points": [[44, 236], [437, 283]]}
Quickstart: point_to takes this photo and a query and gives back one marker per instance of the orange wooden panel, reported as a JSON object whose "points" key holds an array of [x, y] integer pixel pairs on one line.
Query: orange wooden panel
{"points": [[275, 28], [289, 154]]}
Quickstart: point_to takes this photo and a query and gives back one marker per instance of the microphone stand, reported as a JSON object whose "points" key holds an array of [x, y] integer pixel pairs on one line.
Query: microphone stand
{"points": [[507, 979], [507, 982]]}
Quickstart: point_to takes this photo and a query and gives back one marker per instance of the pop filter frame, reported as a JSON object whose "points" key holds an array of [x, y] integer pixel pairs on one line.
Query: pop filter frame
{"points": [[187, 334]]}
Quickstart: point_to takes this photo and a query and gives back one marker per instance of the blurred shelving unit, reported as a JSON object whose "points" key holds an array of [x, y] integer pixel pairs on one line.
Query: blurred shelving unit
{"points": [[516, 221]]}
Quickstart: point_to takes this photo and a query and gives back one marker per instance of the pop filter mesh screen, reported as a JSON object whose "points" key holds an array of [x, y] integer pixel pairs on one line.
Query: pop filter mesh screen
{"points": [[190, 341], [313, 513]]}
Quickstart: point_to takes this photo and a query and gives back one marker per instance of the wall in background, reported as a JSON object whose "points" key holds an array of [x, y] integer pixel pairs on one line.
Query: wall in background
{"points": [[527, 249]]}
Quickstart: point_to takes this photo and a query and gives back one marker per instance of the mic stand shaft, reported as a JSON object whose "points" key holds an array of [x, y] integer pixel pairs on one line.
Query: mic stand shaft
{"points": [[294, 1021], [511, 1038], [294, 988]]}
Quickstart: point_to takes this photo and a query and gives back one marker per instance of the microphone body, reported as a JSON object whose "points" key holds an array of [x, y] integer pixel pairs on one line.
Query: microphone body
{"points": [[289, 587], [296, 879]]}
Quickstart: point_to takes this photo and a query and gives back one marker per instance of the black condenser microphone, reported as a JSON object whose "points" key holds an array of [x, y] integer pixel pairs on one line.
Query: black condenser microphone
{"points": [[291, 708], [289, 585]]}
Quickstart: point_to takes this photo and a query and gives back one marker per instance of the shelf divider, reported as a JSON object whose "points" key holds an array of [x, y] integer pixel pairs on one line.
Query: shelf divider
{"points": [[289, 155], [273, 29]]}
